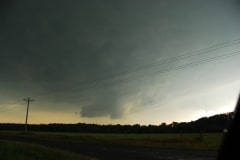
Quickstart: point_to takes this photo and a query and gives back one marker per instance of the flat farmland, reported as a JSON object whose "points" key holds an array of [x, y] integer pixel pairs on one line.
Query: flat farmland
{"points": [[125, 146]]}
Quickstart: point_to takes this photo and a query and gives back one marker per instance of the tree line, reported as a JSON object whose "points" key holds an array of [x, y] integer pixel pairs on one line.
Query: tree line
{"points": [[216, 123]]}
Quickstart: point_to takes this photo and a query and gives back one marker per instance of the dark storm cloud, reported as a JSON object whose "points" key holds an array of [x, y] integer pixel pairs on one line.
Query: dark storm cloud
{"points": [[69, 48], [51, 42], [58, 45], [48, 43], [105, 102]]}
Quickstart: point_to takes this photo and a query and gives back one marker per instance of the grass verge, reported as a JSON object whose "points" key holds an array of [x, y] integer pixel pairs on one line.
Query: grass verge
{"points": [[204, 141], [10, 150]]}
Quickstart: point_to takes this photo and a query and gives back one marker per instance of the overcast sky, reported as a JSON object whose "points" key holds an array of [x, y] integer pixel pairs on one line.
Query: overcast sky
{"points": [[127, 62]]}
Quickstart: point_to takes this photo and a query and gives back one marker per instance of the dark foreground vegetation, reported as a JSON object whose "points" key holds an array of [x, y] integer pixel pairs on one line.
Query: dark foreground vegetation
{"points": [[198, 139], [216, 123], [11, 150], [109, 146]]}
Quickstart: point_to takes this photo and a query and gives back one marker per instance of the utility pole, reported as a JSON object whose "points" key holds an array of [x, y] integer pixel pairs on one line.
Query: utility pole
{"points": [[28, 101]]}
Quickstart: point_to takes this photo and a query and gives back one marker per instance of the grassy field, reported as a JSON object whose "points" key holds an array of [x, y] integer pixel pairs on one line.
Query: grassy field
{"points": [[205, 141], [23, 151]]}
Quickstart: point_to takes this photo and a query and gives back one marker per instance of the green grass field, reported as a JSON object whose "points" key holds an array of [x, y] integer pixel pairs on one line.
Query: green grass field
{"points": [[206, 141], [10, 150]]}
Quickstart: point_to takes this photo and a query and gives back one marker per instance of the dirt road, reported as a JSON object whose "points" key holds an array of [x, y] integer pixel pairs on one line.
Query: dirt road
{"points": [[114, 152]]}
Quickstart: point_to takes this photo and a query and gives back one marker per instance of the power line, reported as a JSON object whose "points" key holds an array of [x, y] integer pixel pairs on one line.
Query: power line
{"points": [[13, 103], [181, 67], [10, 106], [186, 66], [91, 83], [183, 56], [169, 60], [201, 62], [154, 64]]}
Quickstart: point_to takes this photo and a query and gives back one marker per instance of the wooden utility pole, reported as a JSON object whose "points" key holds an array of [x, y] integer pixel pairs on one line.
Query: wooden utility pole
{"points": [[28, 101]]}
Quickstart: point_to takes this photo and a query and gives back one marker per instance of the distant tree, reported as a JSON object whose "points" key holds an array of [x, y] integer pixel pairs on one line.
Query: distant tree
{"points": [[163, 124], [214, 123]]}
